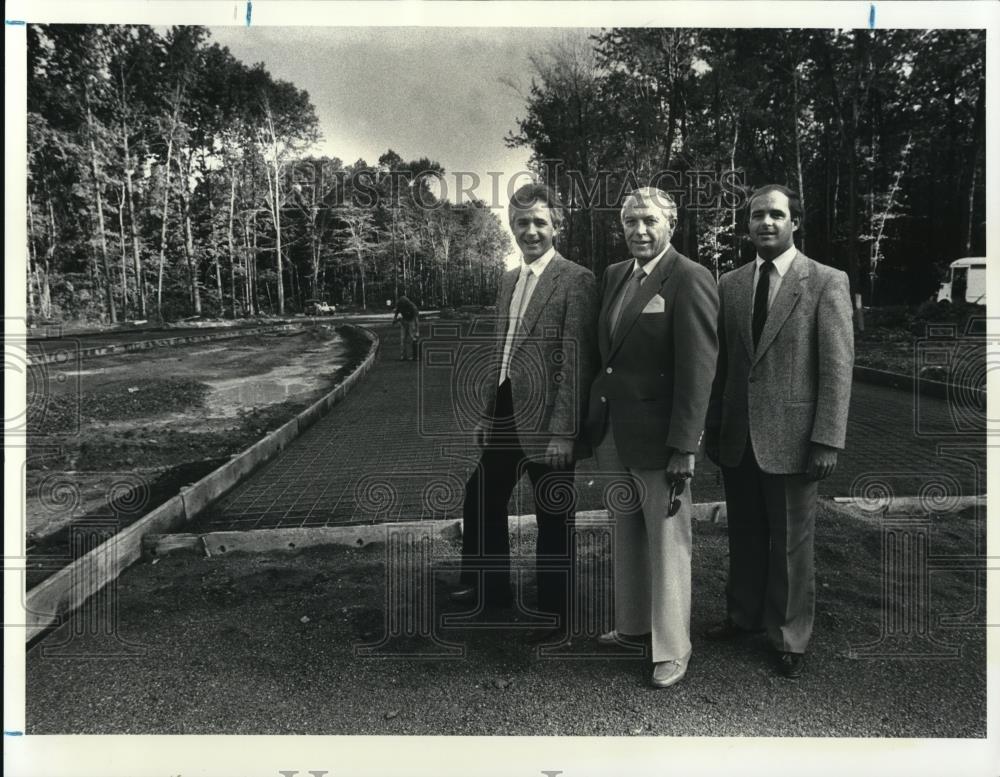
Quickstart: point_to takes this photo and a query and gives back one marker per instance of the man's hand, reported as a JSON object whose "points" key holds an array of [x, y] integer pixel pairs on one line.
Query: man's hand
{"points": [[479, 435], [822, 461], [559, 454], [680, 466]]}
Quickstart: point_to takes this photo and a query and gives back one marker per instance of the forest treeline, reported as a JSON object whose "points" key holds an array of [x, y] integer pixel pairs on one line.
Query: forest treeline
{"points": [[167, 179], [882, 131]]}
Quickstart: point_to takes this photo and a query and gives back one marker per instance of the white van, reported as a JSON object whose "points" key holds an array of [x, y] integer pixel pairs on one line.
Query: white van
{"points": [[966, 281]]}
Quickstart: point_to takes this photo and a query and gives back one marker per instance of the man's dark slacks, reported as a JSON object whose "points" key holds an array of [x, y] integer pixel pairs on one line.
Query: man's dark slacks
{"points": [[771, 532], [485, 534]]}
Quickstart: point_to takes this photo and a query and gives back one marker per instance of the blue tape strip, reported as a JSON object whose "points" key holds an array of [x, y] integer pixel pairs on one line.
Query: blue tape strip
{"points": [[871, 17], [249, 12], [13, 22], [13, 733]]}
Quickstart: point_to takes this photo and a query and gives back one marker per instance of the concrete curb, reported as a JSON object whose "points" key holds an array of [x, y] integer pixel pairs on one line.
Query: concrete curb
{"points": [[72, 586], [906, 505], [930, 388], [358, 536], [296, 538]]}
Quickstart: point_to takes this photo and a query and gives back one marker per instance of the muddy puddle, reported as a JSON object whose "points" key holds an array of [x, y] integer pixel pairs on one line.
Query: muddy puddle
{"points": [[228, 397]]}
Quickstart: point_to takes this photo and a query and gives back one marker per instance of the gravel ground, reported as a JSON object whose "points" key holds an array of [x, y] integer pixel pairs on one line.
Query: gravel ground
{"points": [[266, 644]]}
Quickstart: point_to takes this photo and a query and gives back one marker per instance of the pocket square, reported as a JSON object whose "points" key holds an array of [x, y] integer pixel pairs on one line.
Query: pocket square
{"points": [[655, 305]]}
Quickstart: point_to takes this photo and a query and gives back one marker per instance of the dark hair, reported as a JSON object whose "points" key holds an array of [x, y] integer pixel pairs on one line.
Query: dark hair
{"points": [[794, 200], [532, 193]]}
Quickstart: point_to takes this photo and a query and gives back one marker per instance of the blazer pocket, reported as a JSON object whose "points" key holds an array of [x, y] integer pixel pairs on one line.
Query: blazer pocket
{"points": [[655, 305]]}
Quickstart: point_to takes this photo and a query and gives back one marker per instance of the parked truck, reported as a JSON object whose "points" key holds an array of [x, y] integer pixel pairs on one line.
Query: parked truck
{"points": [[966, 281]]}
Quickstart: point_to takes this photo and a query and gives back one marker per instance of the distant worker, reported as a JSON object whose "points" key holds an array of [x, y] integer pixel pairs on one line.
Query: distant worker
{"points": [[409, 327]]}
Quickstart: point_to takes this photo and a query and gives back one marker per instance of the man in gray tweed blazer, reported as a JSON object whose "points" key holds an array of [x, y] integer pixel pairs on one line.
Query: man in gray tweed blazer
{"points": [[776, 420], [538, 376]]}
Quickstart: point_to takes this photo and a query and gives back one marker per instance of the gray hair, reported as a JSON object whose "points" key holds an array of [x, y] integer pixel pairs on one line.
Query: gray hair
{"points": [[652, 197]]}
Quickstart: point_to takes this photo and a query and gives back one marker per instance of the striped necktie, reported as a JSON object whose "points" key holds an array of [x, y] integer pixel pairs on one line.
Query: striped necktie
{"points": [[634, 284]]}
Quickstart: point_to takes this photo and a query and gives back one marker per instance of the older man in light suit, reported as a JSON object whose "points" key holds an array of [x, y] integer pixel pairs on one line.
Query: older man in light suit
{"points": [[540, 371], [656, 333], [777, 418]]}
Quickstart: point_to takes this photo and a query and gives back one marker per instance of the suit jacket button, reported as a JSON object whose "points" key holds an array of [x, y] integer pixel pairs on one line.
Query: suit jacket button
{"points": [[609, 370], [604, 399]]}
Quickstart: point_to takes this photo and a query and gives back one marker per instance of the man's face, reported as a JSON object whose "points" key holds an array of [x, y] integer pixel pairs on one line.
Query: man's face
{"points": [[771, 224], [533, 230], [647, 229]]}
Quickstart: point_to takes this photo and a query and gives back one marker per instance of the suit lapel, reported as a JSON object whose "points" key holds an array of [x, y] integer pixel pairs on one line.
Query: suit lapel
{"points": [[544, 286], [784, 302], [650, 287], [743, 304], [507, 283], [506, 292], [617, 273]]}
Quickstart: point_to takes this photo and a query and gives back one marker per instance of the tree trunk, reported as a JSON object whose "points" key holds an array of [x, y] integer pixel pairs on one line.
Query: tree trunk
{"points": [[229, 239], [252, 269], [246, 268], [798, 158], [276, 219], [121, 238], [32, 265], [314, 244], [50, 252], [971, 166], [274, 194], [140, 286], [185, 199], [166, 206], [732, 168], [99, 202], [215, 254], [852, 229], [364, 292]]}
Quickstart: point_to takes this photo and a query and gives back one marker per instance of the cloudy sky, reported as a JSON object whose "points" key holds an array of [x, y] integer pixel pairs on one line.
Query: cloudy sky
{"points": [[441, 93]]}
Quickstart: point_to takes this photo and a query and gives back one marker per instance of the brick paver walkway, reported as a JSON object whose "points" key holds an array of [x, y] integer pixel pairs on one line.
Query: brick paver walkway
{"points": [[397, 448]]}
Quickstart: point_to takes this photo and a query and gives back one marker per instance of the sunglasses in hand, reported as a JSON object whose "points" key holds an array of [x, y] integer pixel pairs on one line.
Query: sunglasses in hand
{"points": [[673, 500]]}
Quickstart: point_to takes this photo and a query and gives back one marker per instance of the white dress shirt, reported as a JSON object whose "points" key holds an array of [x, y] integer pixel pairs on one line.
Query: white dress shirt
{"points": [[649, 266], [529, 275], [781, 264]]}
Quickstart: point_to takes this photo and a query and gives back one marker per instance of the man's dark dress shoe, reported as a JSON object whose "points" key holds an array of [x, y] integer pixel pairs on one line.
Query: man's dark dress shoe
{"points": [[727, 630], [790, 665], [470, 595], [466, 595], [553, 636]]}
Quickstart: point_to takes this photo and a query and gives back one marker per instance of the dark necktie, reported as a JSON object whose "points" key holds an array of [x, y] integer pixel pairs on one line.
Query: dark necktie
{"points": [[634, 283], [760, 300]]}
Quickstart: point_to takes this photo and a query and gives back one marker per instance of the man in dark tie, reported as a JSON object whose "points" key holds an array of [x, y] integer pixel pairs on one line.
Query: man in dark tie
{"points": [[539, 374], [777, 418], [656, 332]]}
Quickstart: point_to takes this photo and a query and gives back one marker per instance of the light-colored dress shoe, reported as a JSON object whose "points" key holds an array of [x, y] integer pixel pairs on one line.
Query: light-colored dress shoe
{"points": [[666, 673]]}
